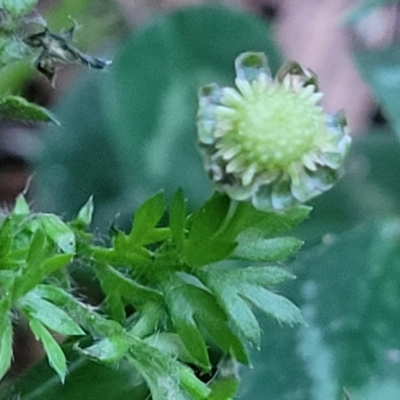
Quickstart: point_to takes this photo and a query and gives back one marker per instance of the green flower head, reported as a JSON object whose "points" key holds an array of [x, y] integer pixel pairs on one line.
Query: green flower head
{"points": [[267, 140]]}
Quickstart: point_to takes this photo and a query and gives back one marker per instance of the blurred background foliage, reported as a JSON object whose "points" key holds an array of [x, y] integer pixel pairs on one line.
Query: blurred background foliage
{"points": [[129, 132]]}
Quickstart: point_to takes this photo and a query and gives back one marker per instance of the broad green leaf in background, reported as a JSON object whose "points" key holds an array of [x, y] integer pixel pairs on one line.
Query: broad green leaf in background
{"points": [[184, 56], [16, 108], [363, 267], [369, 189], [137, 128], [381, 71], [348, 290]]}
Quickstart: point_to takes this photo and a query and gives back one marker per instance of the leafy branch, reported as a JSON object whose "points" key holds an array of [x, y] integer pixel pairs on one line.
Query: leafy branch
{"points": [[183, 300]]}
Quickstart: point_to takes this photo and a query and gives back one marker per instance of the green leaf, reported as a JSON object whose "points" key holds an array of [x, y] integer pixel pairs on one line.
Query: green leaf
{"points": [[6, 349], [118, 287], [56, 319], [208, 220], [19, 7], [114, 304], [177, 219], [361, 10], [207, 252], [236, 288], [110, 349], [253, 247], [193, 309], [87, 379], [5, 240], [85, 215], [245, 216], [171, 344], [31, 272], [38, 250], [134, 257], [86, 317], [36, 272], [53, 350], [194, 386], [186, 326], [166, 378], [54, 263], [220, 224], [128, 247], [204, 244], [224, 389], [21, 206], [146, 218], [18, 109], [381, 71], [148, 320], [5, 304], [58, 231]]}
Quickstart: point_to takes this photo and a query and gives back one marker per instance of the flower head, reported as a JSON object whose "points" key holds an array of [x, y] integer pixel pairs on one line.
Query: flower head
{"points": [[267, 140]]}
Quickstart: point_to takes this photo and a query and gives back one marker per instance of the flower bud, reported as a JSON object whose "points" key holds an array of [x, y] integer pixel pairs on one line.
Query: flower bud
{"points": [[268, 141]]}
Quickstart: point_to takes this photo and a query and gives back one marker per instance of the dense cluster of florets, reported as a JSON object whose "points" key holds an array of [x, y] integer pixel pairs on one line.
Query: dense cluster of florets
{"points": [[267, 140]]}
